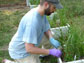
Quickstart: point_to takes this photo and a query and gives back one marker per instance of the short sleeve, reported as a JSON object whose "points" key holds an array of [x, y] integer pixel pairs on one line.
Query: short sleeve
{"points": [[30, 34], [47, 25]]}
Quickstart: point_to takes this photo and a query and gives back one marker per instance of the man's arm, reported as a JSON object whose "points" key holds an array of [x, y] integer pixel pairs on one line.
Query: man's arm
{"points": [[54, 42], [48, 34], [30, 48]]}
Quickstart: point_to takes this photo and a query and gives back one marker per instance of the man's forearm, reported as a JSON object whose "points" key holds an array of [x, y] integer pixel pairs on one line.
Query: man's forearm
{"points": [[36, 50], [48, 34]]}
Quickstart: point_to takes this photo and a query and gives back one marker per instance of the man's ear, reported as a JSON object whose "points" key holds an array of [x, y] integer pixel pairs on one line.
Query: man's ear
{"points": [[46, 4]]}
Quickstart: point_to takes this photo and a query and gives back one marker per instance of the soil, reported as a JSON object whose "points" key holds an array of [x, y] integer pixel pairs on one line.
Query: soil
{"points": [[14, 8]]}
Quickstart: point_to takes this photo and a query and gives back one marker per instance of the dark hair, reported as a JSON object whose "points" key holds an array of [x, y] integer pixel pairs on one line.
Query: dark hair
{"points": [[42, 1]]}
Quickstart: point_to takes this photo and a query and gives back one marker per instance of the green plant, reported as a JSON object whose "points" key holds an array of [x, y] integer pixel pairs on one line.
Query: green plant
{"points": [[73, 42], [34, 2]]}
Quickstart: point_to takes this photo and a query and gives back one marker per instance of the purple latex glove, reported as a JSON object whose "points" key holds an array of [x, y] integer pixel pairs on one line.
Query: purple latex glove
{"points": [[55, 52]]}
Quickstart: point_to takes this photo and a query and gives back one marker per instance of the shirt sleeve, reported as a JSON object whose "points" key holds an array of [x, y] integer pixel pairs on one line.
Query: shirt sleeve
{"points": [[47, 25], [30, 34]]}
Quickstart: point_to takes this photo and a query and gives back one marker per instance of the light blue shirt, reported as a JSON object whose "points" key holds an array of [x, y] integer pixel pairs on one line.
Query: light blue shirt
{"points": [[31, 30]]}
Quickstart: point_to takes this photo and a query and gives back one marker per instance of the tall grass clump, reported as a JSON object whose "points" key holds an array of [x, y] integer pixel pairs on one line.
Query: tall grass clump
{"points": [[73, 43], [74, 8]]}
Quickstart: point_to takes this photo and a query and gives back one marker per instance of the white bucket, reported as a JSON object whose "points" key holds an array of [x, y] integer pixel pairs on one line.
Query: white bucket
{"points": [[77, 61]]}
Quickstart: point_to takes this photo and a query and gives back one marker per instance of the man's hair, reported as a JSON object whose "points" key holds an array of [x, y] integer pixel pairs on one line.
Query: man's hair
{"points": [[42, 1]]}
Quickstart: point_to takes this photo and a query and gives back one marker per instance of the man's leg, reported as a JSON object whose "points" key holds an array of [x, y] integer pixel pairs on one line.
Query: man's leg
{"points": [[30, 59]]}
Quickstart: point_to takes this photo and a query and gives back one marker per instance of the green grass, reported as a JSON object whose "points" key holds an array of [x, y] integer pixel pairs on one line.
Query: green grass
{"points": [[74, 41], [9, 21], [4, 55], [8, 24], [72, 14]]}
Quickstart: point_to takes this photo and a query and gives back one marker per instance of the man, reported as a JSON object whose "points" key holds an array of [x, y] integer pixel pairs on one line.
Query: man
{"points": [[23, 47]]}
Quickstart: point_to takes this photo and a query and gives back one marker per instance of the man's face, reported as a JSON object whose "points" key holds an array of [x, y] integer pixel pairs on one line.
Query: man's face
{"points": [[50, 9]]}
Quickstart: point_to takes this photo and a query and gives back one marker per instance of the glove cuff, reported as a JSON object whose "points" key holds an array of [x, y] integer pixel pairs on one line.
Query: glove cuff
{"points": [[54, 42], [51, 39]]}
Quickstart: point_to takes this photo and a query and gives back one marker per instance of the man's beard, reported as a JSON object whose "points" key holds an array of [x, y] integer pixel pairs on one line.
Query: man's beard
{"points": [[47, 11]]}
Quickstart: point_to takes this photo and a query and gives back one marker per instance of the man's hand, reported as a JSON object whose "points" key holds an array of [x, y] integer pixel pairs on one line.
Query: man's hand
{"points": [[54, 42], [55, 52]]}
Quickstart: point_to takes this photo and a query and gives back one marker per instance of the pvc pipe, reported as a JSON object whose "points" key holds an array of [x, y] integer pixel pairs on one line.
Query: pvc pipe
{"points": [[52, 15], [77, 61], [32, 6], [28, 2], [59, 60], [60, 31]]}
